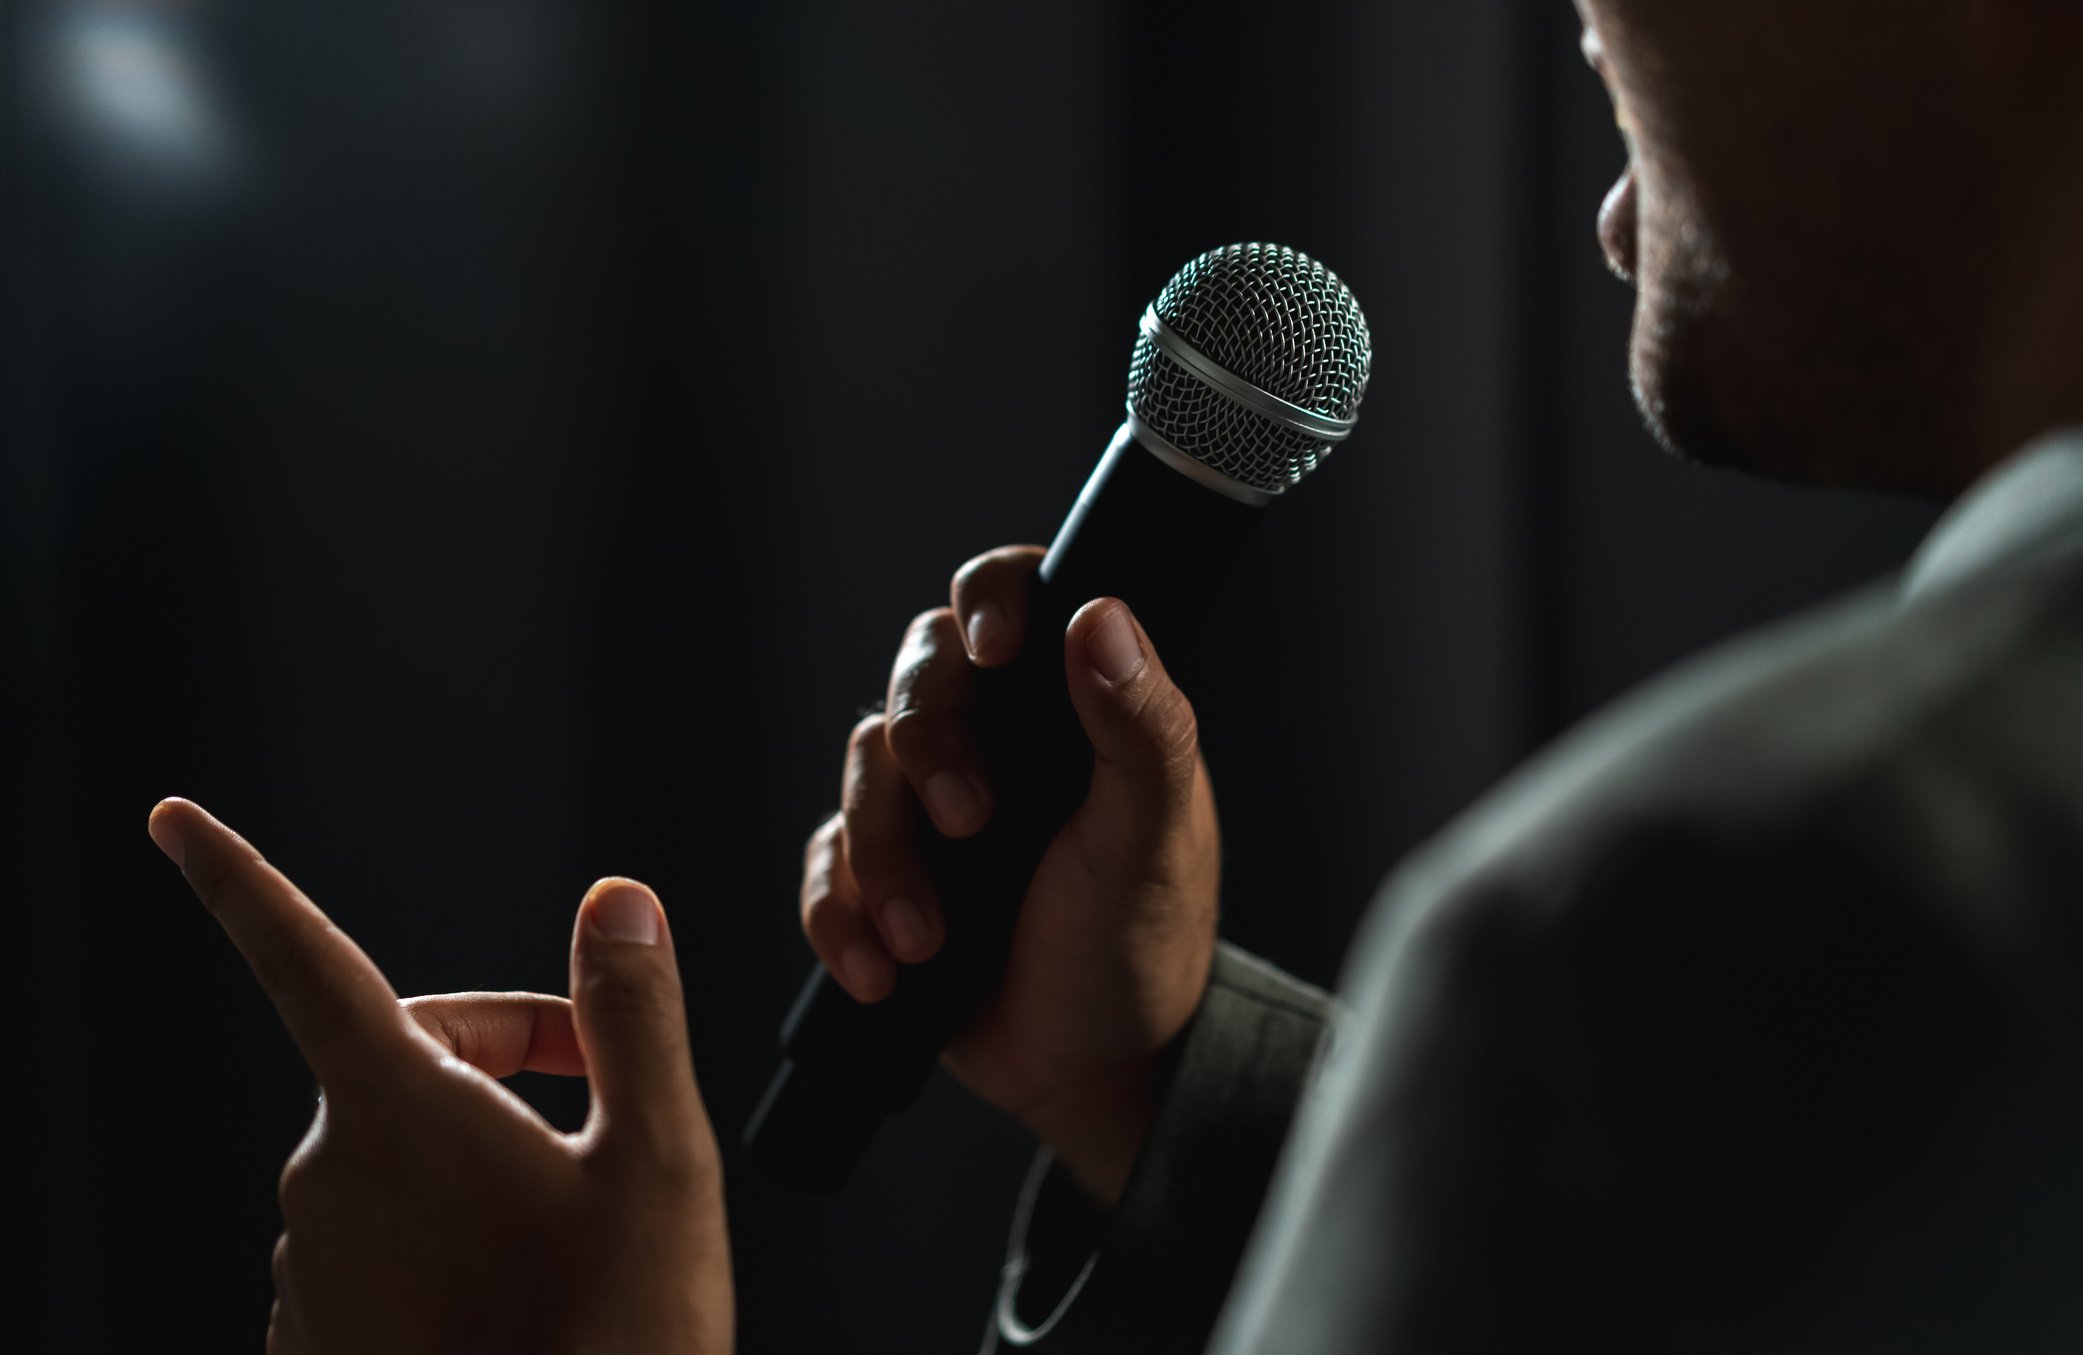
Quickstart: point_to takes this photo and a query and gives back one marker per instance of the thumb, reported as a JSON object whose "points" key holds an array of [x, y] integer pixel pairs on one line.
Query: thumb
{"points": [[632, 1028], [1142, 728]]}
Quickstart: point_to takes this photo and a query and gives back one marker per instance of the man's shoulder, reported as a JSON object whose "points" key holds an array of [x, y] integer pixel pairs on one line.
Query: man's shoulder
{"points": [[1777, 956], [1931, 750], [1805, 725]]}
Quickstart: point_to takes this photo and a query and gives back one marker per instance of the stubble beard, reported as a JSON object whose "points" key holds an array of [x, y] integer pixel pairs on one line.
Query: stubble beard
{"points": [[1823, 357]]}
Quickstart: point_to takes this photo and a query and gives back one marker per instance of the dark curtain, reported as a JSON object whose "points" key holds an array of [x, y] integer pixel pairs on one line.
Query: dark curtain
{"points": [[476, 446]]}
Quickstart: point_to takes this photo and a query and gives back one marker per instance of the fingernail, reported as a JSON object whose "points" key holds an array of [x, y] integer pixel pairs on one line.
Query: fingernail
{"points": [[164, 832], [954, 802], [862, 968], [1113, 648], [906, 925], [625, 911], [986, 628]]}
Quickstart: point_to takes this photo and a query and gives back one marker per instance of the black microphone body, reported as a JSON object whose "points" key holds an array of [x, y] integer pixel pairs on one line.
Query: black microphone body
{"points": [[1143, 531]]}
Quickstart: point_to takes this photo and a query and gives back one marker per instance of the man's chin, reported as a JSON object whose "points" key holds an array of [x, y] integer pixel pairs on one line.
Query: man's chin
{"points": [[1699, 384], [1678, 417], [1704, 425]]}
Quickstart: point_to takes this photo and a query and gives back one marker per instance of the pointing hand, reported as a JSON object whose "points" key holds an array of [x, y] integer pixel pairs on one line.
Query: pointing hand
{"points": [[429, 1208]]}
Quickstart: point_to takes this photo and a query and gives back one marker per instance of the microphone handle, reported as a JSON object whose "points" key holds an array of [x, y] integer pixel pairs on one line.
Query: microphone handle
{"points": [[1141, 531]]}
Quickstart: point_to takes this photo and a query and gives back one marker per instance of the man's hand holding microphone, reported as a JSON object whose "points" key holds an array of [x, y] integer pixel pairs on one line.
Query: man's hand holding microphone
{"points": [[1117, 929]]}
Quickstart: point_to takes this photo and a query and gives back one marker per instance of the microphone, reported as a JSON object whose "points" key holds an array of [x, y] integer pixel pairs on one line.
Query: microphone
{"points": [[1247, 372]]}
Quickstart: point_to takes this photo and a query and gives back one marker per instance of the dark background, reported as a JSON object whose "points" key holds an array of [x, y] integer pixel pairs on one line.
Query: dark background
{"points": [[475, 446]]}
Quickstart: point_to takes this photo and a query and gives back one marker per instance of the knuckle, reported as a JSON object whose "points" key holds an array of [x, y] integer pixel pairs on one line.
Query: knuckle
{"points": [[820, 854], [317, 1166], [1175, 734], [824, 921], [924, 628], [298, 1189], [865, 757], [464, 1037], [435, 1013], [876, 850], [864, 801], [933, 670], [822, 841], [926, 642], [867, 732], [625, 996], [816, 916]]}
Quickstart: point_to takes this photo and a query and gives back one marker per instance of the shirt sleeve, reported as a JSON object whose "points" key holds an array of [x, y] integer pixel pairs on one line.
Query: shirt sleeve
{"points": [[1149, 1277]]}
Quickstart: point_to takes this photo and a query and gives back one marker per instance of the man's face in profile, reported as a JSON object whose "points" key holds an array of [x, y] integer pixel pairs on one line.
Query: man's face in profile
{"points": [[1806, 182]]}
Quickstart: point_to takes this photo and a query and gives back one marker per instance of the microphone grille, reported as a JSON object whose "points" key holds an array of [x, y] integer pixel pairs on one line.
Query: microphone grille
{"points": [[1274, 319]]}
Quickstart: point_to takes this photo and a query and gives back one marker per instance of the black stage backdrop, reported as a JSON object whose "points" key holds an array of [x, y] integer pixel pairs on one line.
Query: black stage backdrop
{"points": [[476, 446]]}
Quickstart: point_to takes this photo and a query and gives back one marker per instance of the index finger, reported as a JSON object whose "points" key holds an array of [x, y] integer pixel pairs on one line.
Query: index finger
{"points": [[338, 1006]]}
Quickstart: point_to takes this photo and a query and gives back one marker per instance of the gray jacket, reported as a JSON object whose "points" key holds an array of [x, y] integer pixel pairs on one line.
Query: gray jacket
{"points": [[1748, 1017]]}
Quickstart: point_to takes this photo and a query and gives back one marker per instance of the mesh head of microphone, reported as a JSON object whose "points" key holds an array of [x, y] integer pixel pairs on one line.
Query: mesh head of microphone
{"points": [[1271, 317]]}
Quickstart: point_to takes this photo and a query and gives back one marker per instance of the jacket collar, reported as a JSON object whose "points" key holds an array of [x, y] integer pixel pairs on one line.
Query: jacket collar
{"points": [[2029, 503]]}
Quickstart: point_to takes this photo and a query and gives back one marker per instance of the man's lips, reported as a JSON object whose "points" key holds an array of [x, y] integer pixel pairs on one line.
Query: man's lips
{"points": [[1618, 227]]}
